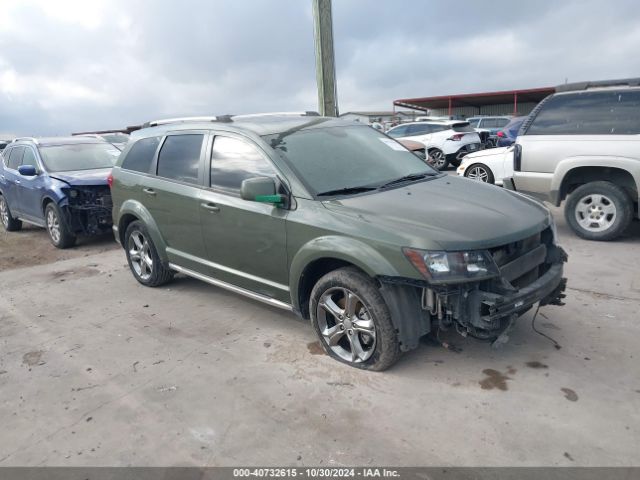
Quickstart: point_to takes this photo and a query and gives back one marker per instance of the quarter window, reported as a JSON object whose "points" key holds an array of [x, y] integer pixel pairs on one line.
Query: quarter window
{"points": [[234, 160], [15, 157], [141, 155], [398, 132], [179, 157], [589, 113]]}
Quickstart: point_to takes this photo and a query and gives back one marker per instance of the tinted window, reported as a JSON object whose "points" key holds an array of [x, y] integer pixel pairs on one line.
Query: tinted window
{"points": [[399, 131], [419, 129], [141, 155], [29, 158], [589, 113], [463, 127], [179, 157], [79, 156], [15, 157], [501, 122], [334, 158], [234, 160]]}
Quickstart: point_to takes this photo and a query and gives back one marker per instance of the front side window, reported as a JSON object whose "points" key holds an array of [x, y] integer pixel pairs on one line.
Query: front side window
{"points": [[29, 158], [141, 155], [332, 158], [179, 157], [15, 157], [79, 156], [234, 160], [589, 113]]}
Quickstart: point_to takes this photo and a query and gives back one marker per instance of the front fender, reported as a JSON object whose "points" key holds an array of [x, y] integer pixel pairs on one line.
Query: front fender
{"points": [[565, 166], [136, 209], [346, 249]]}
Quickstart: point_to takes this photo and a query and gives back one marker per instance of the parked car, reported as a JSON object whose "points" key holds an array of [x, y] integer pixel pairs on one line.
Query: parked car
{"points": [[117, 139], [334, 221], [446, 141], [490, 125], [507, 136], [489, 166], [58, 183], [582, 145]]}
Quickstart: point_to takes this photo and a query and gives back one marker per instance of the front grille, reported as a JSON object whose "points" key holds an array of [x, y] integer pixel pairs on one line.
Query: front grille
{"points": [[520, 262], [91, 197]]}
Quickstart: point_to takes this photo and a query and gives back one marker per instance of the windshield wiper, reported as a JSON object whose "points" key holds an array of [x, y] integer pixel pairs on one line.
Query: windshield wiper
{"points": [[346, 191], [407, 178]]}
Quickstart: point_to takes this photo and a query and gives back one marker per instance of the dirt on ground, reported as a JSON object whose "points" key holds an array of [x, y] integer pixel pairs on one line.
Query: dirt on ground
{"points": [[31, 246]]}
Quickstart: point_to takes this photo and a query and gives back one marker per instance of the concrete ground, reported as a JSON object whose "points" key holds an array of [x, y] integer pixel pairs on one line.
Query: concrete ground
{"points": [[98, 370]]}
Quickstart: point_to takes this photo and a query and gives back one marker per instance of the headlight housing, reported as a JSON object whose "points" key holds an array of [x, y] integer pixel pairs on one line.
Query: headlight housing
{"points": [[453, 267]]}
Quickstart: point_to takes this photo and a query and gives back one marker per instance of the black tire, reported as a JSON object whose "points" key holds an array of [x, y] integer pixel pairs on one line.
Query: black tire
{"points": [[9, 223], [382, 352], [480, 166], [57, 227], [440, 159], [154, 274], [611, 194]]}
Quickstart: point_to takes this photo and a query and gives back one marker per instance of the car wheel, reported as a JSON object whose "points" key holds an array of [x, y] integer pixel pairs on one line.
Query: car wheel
{"points": [[57, 227], [439, 159], [352, 320], [480, 172], [599, 211], [143, 258], [9, 223]]}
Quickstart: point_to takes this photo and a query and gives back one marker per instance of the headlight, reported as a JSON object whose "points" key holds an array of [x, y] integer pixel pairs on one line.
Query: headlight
{"points": [[453, 267]]}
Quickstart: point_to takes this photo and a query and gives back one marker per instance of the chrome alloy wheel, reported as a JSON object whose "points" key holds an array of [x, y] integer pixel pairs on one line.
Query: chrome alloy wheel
{"points": [[140, 255], [478, 173], [438, 159], [53, 225], [4, 212], [346, 325], [595, 212]]}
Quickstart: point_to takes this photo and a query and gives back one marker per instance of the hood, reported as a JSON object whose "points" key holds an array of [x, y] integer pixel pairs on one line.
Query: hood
{"points": [[488, 152], [447, 213], [83, 177]]}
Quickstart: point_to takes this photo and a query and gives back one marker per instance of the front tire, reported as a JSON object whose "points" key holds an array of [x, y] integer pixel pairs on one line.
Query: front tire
{"points": [[599, 211], [352, 320], [143, 258], [480, 172], [439, 159], [9, 223], [57, 227]]}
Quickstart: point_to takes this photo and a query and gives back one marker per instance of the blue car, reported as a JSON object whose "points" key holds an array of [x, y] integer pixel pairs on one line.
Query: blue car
{"points": [[507, 136], [60, 184]]}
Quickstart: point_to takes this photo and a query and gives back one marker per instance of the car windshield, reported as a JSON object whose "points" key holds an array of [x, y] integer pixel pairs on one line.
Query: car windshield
{"points": [[79, 156], [474, 122], [346, 158], [116, 138]]}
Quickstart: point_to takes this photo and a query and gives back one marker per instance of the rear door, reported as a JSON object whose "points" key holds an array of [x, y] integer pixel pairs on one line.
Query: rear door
{"points": [[32, 188], [245, 241]]}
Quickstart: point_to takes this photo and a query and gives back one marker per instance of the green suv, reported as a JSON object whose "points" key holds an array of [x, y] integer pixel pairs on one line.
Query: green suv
{"points": [[337, 222]]}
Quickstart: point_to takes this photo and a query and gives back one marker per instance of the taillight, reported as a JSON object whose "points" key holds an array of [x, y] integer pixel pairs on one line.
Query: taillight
{"points": [[457, 137], [110, 180], [501, 134]]}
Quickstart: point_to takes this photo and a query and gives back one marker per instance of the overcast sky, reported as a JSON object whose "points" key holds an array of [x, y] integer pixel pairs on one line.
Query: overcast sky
{"points": [[71, 65]]}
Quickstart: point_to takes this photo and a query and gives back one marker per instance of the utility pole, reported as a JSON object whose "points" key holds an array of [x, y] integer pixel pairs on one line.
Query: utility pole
{"points": [[325, 58]]}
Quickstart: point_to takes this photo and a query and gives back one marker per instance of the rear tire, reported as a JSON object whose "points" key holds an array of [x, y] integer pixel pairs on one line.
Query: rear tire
{"points": [[439, 159], [143, 258], [480, 172], [57, 227], [599, 211], [9, 223], [352, 320]]}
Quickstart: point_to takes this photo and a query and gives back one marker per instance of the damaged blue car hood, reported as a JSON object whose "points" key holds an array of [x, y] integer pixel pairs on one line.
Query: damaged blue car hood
{"points": [[83, 177]]}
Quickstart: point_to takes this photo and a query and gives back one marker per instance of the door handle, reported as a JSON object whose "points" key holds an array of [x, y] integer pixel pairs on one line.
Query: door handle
{"points": [[212, 207], [149, 191]]}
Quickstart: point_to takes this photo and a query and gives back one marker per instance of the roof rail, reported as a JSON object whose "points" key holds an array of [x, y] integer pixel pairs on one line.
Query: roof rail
{"points": [[568, 87], [27, 139], [167, 121], [279, 114]]}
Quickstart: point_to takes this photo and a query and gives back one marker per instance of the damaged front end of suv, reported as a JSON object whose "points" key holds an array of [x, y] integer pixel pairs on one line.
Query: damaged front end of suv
{"points": [[87, 209]]}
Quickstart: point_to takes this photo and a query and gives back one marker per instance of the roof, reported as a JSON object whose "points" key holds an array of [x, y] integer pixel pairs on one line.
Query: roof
{"points": [[260, 125], [53, 141], [476, 99], [376, 113]]}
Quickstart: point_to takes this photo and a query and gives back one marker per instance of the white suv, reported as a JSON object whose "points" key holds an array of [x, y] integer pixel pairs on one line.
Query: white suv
{"points": [[446, 141]]}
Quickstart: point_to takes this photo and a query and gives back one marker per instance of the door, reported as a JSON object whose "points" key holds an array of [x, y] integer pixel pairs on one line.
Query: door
{"points": [[12, 180], [31, 188], [245, 241], [420, 133], [172, 196]]}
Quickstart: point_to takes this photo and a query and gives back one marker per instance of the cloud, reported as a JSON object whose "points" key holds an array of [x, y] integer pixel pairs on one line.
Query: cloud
{"points": [[73, 65]]}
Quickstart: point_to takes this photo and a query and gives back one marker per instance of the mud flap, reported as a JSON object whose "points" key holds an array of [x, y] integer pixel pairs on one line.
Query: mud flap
{"points": [[409, 319]]}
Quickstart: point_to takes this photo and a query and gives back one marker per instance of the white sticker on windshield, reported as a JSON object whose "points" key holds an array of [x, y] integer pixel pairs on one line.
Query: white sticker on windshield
{"points": [[392, 144]]}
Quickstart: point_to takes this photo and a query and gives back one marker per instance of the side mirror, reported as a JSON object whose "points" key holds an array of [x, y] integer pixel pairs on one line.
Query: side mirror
{"points": [[260, 189], [27, 170]]}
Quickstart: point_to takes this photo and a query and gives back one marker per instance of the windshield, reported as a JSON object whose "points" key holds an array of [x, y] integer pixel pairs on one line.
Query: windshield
{"points": [[116, 137], [336, 158], [80, 156], [474, 122]]}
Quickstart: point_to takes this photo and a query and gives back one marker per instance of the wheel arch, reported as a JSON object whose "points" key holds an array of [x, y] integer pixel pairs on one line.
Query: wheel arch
{"points": [[132, 210]]}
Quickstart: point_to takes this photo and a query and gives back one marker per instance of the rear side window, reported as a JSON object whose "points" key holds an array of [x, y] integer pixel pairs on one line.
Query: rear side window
{"points": [[15, 158], [141, 155], [397, 132], [179, 157], [234, 160], [419, 129], [589, 113]]}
